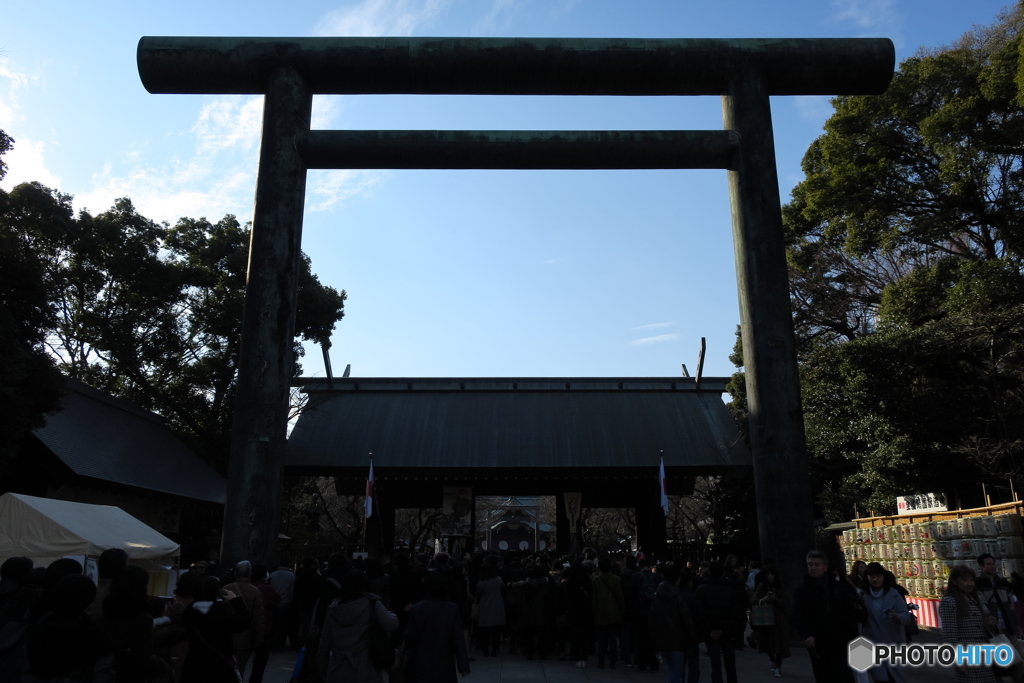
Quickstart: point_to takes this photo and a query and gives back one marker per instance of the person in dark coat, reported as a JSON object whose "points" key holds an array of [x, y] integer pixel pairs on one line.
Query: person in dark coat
{"points": [[405, 589], [109, 563], [609, 606], [724, 611], [304, 594], [458, 593], [374, 569], [578, 598], [250, 639], [433, 640], [261, 654], [68, 646], [673, 628], [490, 621], [538, 613], [211, 621], [626, 574], [127, 617], [13, 573], [825, 617], [643, 585], [16, 589]]}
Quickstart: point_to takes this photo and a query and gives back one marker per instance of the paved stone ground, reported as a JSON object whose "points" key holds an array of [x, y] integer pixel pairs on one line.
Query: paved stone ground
{"points": [[750, 666]]}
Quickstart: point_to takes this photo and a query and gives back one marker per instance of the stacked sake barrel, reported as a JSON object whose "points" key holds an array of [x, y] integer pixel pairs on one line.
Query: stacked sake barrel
{"points": [[922, 554]]}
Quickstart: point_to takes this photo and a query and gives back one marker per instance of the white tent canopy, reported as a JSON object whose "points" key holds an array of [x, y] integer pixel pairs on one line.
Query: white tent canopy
{"points": [[41, 528]]}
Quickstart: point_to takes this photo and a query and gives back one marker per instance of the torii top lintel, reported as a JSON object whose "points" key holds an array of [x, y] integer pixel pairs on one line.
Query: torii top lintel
{"points": [[516, 66]]}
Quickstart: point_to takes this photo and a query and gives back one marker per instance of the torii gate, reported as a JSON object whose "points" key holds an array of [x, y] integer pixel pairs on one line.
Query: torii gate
{"points": [[744, 72]]}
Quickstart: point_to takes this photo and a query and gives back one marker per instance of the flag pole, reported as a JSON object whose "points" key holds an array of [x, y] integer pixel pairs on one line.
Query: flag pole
{"points": [[368, 505]]}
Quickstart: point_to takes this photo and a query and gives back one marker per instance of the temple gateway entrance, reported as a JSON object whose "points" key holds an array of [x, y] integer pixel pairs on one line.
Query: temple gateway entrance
{"points": [[589, 442], [744, 72]]}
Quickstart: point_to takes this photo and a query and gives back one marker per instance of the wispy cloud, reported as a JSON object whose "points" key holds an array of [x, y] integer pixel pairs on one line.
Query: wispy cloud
{"points": [[814, 108], [551, 261], [559, 9], [220, 175], [494, 20], [654, 326], [15, 79], [867, 17], [654, 340], [327, 189], [26, 161], [381, 18]]}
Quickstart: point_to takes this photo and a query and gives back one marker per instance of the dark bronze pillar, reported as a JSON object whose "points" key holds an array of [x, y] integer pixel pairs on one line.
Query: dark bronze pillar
{"points": [[769, 355], [265, 364]]}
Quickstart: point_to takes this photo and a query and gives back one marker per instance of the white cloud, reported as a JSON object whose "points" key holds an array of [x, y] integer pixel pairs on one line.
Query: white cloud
{"points": [[381, 18], [220, 176], [25, 162], [327, 189], [16, 79], [654, 340], [654, 326], [229, 122], [866, 15], [814, 108], [326, 109], [490, 23], [550, 261]]}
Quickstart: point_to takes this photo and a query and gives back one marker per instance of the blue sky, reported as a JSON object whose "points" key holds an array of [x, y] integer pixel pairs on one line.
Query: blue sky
{"points": [[471, 273]]}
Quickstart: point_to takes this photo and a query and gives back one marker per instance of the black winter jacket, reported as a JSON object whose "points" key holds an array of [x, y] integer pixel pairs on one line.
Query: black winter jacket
{"points": [[826, 609], [723, 605], [671, 620]]}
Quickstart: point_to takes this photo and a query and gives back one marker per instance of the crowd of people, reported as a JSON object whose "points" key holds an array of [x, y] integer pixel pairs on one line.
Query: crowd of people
{"points": [[352, 619]]}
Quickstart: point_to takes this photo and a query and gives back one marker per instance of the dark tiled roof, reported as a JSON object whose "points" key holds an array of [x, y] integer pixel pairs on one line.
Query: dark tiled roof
{"points": [[516, 422], [106, 438]]}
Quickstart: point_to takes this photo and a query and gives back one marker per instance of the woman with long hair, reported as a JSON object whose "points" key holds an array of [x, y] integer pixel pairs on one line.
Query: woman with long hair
{"points": [[887, 615], [344, 654], [965, 622], [773, 640]]}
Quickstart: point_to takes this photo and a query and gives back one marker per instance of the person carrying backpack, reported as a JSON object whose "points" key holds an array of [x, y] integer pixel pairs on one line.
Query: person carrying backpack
{"points": [[643, 586]]}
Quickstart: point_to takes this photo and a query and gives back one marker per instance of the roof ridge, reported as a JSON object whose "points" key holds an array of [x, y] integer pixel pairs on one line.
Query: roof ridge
{"points": [[115, 401]]}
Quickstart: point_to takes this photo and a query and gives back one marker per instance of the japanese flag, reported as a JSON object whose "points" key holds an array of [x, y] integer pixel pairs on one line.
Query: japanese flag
{"points": [[663, 486], [368, 503]]}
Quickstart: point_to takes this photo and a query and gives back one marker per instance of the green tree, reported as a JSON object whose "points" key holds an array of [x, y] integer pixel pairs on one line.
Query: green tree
{"points": [[30, 386], [151, 312], [906, 247]]}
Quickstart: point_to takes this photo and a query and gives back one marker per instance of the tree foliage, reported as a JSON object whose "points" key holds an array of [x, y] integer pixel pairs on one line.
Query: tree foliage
{"points": [[906, 247], [30, 386], [147, 311]]}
